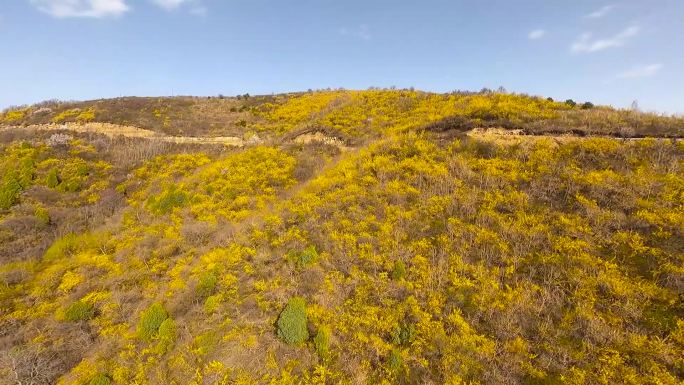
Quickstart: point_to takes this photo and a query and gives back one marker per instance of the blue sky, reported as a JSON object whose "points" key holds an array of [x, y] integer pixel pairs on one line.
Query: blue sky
{"points": [[608, 52]]}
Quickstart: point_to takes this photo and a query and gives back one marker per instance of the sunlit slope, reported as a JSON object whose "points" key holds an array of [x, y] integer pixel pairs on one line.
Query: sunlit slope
{"points": [[410, 255], [353, 114]]}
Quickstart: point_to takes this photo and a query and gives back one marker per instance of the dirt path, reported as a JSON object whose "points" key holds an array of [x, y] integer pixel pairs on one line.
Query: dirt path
{"points": [[510, 137], [114, 130]]}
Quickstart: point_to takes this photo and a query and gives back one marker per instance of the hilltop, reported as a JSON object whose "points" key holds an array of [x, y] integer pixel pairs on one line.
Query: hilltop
{"points": [[355, 113], [379, 236]]}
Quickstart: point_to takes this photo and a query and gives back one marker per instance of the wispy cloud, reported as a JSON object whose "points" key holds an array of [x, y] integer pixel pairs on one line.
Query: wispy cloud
{"points": [[170, 5], [585, 43], [642, 71], [193, 7], [599, 13], [361, 32], [82, 8], [536, 34]]}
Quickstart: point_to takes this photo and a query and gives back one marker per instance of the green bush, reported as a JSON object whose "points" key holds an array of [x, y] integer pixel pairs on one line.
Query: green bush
{"points": [[150, 321], [308, 257], [68, 245], [212, 303], [305, 258], [204, 343], [42, 215], [10, 189], [73, 175], [100, 379], [167, 201], [52, 178], [207, 284], [166, 336], [79, 311], [395, 361], [403, 334], [399, 270], [292, 322], [322, 343]]}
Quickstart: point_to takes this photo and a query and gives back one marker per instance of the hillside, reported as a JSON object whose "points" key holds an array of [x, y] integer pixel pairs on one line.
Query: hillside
{"points": [[380, 236]]}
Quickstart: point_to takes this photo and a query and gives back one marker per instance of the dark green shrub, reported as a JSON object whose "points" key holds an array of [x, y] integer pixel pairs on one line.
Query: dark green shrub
{"points": [[292, 322], [395, 361], [150, 321], [10, 189], [100, 379], [587, 106], [403, 334], [207, 284], [322, 343], [171, 198], [52, 178], [303, 259], [570, 103], [399, 270], [79, 311], [166, 336], [308, 257], [26, 172]]}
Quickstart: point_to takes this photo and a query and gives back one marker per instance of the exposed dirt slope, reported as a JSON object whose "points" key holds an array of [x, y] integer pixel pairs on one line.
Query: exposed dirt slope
{"points": [[114, 130]]}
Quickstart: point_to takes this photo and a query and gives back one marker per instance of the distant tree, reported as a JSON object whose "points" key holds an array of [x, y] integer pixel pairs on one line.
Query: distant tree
{"points": [[570, 103], [550, 99], [587, 105]]}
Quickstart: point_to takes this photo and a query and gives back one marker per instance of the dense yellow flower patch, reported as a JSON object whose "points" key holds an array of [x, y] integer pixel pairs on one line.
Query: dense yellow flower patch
{"points": [[417, 258]]}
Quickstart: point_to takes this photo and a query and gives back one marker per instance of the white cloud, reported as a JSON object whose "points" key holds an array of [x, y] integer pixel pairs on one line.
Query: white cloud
{"points": [[599, 13], [643, 71], [585, 44], [361, 32], [170, 5], [536, 34], [82, 8]]}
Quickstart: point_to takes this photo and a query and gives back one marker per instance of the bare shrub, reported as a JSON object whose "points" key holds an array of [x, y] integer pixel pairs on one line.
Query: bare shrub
{"points": [[58, 139]]}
